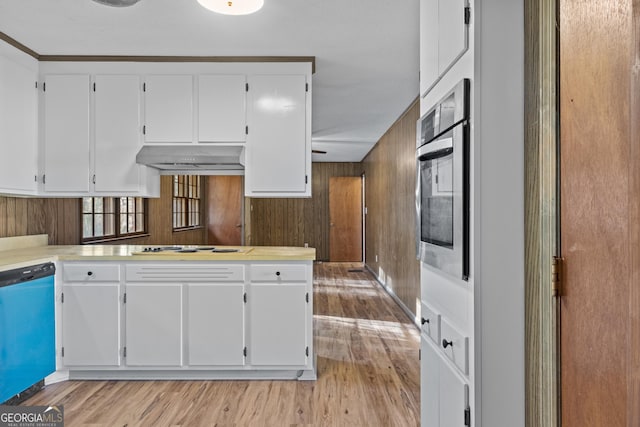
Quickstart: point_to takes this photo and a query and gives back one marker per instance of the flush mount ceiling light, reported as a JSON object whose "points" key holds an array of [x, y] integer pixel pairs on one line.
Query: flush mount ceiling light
{"points": [[117, 3], [232, 7]]}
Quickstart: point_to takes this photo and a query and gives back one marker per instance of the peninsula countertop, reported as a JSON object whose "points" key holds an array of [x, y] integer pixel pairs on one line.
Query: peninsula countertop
{"points": [[24, 256]]}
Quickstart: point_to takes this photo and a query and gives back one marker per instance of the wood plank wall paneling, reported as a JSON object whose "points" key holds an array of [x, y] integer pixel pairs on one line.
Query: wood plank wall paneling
{"points": [[390, 173], [61, 219], [541, 367], [294, 222]]}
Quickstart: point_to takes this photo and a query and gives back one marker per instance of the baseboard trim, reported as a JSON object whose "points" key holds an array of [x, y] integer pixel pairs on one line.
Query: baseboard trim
{"points": [[397, 300]]}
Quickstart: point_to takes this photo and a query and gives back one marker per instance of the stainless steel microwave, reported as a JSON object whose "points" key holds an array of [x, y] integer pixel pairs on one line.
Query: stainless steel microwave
{"points": [[442, 184]]}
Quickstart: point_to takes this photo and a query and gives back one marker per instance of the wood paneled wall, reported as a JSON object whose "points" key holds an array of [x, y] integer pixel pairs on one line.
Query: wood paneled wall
{"points": [[390, 173], [294, 222], [61, 220]]}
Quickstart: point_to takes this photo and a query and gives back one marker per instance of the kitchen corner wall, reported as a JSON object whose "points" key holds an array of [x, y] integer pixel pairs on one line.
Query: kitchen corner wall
{"points": [[390, 174], [61, 220]]}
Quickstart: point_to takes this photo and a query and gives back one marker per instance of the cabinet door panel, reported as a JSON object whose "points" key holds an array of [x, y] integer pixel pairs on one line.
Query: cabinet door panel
{"points": [[18, 126], [154, 325], [278, 324], [428, 44], [169, 108], [91, 325], [66, 141], [452, 397], [222, 108], [452, 39], [429, 385], [117, 133], [276, 144], [215, 324]]}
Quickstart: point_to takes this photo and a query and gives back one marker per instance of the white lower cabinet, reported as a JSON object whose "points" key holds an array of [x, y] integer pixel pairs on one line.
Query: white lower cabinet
{"points": [[187, 320], [91, 324], [154, 324], [215, 321], [278, 324], [444, 392]]}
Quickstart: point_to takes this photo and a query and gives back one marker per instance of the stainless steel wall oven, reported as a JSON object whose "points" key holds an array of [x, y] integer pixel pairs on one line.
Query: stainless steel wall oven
{"points": [[442, 184]]}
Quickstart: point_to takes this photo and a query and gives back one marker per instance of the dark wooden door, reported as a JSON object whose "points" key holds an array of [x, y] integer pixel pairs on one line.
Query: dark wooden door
{"points": [[345, 219], [225, 197], [600, 380]]}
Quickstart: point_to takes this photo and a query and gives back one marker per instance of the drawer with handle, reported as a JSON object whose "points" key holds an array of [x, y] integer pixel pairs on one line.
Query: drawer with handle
{"points": [[91, 272], [455, 346], [278, 273], [430, 323]]}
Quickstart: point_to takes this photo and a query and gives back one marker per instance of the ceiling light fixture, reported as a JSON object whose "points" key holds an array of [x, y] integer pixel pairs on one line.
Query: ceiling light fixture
{"points": [[232, 7], [117, 3]]}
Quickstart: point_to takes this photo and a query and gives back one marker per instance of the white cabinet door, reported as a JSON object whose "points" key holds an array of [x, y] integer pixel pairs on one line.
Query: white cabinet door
{"points": [[153, 324], [18, 127], [452, 38], [117, 133], [277, 146], [443, 392], [91, 324], [428, 44], [168, 103], [222, 108], [66, 133], [215, 319], [429, 385], [278, 324]]}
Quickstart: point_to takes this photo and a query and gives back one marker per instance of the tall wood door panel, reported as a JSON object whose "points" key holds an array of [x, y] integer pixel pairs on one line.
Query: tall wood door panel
{"points": [[600, 383], [225, 210], [345, 219]]}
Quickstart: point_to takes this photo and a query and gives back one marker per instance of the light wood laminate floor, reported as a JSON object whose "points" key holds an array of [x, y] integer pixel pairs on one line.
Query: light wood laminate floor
{"points": [[367, 362]]}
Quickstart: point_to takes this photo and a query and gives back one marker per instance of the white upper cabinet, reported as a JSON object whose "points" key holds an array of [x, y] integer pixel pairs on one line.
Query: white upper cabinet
{"points": [[428, 44], [444, 37], [168, 103], [278, 143], [18, 127], [221, 108], [117, 133], [66, 133]]}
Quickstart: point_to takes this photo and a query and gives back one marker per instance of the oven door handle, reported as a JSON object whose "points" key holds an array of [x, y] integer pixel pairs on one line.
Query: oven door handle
{"points": [[435, 149]]}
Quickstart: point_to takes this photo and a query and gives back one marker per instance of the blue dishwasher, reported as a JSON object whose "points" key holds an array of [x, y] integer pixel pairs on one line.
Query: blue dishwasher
{"points": [[27, 328]]}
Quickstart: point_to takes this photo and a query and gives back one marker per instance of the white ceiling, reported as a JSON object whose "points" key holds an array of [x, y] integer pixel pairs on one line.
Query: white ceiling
{"points": [[367, 58]]}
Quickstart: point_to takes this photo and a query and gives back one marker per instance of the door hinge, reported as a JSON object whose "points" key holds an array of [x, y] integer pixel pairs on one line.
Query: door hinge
{"points": [[244, 352], [306, 87], [307, 297], [62, 352], [124, 298], [93, 180], [306, 351], [124, 352], [94, 87], [62, 298], [306, 179], [467, 416], [35, 178], [467, 15], [246, 130], [144, 130], [557, 267], [36, 85], [44, 179], [244, 297], [246, 87], [144, 87], [44, 86]]}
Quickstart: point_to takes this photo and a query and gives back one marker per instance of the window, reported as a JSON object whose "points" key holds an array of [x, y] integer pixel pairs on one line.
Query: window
{"points": [[186, 201], [112, 217]]}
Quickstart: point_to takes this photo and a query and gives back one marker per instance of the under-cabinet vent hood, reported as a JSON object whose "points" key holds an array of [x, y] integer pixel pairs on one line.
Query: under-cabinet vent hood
{"points": [[194, 159]]}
